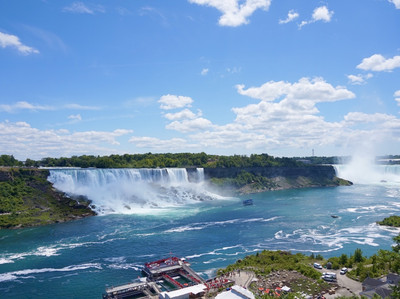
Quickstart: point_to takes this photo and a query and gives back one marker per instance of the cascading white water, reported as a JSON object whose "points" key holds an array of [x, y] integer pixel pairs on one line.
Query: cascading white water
{"points": [[131, 191], [363, 172]]}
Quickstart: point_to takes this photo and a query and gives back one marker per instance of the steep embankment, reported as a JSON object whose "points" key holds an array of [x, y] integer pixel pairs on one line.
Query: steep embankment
{"points": [[28, 199], [260, 179]]}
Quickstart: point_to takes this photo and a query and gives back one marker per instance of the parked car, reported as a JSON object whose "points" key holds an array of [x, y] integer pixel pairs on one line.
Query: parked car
{"points": [[317, 266], [343, 271], [329, 276]]}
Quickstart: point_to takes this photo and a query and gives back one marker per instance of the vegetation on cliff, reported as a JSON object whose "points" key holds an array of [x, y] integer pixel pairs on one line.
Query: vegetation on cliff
{"points": [[28, 199], [246, 182], [390, 221]]}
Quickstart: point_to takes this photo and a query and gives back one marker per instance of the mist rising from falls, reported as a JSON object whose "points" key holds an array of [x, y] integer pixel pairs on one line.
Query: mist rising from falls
{"points": [[133, 191], [364, 170]]}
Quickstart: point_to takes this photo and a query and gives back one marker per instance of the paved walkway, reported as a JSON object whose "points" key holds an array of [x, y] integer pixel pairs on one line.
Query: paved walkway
{"points": [[242, 278]]}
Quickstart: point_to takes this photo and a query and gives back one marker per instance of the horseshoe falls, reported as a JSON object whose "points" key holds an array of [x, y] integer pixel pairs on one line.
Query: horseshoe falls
{"points": [[148, 214]]}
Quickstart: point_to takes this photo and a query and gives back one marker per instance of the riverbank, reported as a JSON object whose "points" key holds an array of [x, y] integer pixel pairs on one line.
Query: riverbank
{"points": [[28, 199], [248, 180]]}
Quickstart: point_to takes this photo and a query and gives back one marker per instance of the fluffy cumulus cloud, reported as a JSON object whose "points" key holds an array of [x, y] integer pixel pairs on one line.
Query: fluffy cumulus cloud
{"points": [[28, 142], [396, 3], [183, 121], [170, 101], [310, 90], [184, 114], [359, 79], [321, 13], [235, 12], [378, 63], [292, 15], [9, 40], [81, 8], [284, 115], [190, 125]]}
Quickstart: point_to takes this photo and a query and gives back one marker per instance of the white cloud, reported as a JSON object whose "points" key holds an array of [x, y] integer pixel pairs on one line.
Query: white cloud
{"points": [[396, 3], [159, 144], [397, 97], [235, 12], [315, 90], [292, 15], [359, 79], [190, 125], [233, 70], [23, 106], [28, 142], [173, 101], [184, 114], [379, 63], [8, 40], [81, 107], [360, 117], [204, 72], [81, 8], [76, 117], [321, 13]]}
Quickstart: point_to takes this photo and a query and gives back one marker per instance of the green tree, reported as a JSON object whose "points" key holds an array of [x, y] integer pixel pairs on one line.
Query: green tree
{"points": [[343, 260], [358, 257]]}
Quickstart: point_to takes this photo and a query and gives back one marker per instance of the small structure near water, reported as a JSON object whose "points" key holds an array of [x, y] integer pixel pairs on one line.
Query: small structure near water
{"points": [[166, 279]]}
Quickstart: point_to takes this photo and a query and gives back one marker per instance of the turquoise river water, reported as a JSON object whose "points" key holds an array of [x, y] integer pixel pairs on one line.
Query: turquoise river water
{"points": [[150, 214]]}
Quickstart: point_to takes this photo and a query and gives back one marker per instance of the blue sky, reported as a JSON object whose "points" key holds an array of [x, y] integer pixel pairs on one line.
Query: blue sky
{"points": [[216, 76]]}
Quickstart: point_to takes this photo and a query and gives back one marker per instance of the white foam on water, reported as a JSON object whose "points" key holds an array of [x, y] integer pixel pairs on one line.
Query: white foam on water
{"points": [[125, 266], [120, 259], [23, 273], [220, 259], [6, 261], [332, 239], [49, 251], [205, 225], [369, 209]]}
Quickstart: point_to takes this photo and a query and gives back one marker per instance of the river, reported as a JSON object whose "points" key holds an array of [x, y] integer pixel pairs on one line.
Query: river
{"points": [[148, 216]]}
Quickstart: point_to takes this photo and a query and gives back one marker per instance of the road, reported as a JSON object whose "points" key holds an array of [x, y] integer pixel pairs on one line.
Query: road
{"points": [[347, 286]]}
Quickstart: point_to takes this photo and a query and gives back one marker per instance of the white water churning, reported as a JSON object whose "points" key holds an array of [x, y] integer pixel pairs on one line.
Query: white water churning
{"points": [[132, 191]]}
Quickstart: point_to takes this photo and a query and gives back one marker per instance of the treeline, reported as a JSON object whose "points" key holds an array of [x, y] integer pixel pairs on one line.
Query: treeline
{"points": [[9, 160], [150, 160]]}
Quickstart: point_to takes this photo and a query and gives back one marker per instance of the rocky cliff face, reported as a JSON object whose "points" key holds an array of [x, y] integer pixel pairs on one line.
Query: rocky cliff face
{"points": [[326, 172], [260, 179]]}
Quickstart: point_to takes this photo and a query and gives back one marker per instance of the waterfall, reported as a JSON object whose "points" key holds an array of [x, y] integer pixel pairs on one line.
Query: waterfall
{"points": [[368, 173], [131, 191]]}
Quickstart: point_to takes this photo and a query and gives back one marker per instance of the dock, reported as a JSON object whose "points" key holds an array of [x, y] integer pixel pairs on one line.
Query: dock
{"points": [[165, 278]]}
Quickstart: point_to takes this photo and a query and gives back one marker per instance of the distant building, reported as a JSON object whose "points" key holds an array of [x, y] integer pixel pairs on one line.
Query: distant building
{"points": [[382, 288], [196, 291], [236, 292]]}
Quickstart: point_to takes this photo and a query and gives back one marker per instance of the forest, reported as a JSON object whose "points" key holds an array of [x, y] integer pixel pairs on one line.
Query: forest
{"points": [[150, 160]]}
